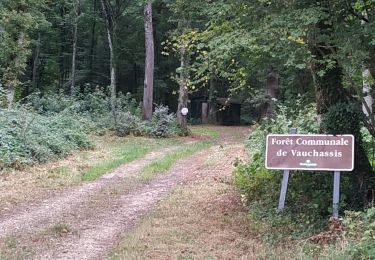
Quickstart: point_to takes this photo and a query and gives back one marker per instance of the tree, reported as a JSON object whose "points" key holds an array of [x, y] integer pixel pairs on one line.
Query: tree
{"points": [[76, 10], [186, 14], [149, 63], [109, 24], [18, 18]]}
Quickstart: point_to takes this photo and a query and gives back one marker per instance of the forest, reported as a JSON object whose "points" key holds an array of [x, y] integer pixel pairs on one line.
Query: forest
{"points": [[72, 71]]}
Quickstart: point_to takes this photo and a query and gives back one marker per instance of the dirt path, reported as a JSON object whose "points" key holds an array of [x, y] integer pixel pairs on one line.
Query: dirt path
{"points": [[86, 222]]}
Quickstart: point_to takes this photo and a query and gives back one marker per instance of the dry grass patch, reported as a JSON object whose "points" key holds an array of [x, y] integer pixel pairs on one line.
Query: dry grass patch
{"points": [[204, 220]]}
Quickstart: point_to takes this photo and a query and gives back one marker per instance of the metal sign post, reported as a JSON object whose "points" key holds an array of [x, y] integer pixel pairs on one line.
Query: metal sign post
{"points": [[284, 187], [284, 184], [336, 194]]}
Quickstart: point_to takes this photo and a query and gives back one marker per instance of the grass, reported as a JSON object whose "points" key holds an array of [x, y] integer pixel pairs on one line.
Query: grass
{"points": [[12, 249], [203, 220], [129, 151], [170, 159], [60, 229], [205, 131], [21, 186]]}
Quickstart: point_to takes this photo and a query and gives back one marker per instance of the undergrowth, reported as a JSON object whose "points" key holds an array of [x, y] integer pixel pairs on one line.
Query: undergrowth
{"points": [[51, 126]]}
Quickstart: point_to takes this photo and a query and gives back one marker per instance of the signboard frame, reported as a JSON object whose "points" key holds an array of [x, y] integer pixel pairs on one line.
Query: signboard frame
{"points": [[311, 169], [336, 175]]}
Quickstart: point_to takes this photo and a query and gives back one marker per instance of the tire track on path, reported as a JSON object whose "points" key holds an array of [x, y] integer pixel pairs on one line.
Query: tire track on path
{"points": [[98, 213], [26, 218]]}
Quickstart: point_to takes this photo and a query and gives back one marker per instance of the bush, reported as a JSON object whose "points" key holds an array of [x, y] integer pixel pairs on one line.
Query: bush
{"points": [[26, 137], [51, 126], [127, 124], [163, 124], [360, 233]]}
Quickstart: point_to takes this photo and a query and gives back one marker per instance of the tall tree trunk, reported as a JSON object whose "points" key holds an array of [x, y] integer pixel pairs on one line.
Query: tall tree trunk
{"points": [[62, 47], [36, 63], [110, 29], [183, 91], [149, 63], [74, 49]]}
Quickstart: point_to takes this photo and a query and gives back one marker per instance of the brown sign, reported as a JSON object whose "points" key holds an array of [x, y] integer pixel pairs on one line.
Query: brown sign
{"points": [[310, 152]]}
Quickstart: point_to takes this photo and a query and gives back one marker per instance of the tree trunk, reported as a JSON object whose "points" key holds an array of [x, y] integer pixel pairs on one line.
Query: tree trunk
{"points": [[109, 29], [36, 62], [62, 48], [272, 84], [205, 112], [367, 108], [92, 45], [330, 93], [183, 91], [14, 76], [212, 102], [10, 95], [74, 49], [149, 63]]}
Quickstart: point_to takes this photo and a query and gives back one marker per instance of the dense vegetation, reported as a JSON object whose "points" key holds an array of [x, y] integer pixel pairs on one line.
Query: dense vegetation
{"points": [[52, 126], [304, 64]]}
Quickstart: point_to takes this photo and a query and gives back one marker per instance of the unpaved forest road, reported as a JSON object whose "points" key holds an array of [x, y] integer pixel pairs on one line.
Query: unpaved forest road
{"points": [[86, 222]]}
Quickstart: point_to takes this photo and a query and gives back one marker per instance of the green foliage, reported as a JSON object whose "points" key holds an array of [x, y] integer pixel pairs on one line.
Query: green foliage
{"points": [[128, 123], [360, 233], [343, 118], [162, 124], [287, 115], [18, 19], [60, 124], [27, 137], [369, 145]]}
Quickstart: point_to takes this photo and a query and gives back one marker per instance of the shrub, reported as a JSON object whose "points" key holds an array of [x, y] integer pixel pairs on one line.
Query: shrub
{"points": [[26, 137], [51, 126], [127, 123], [163, 123], [360, 233]]}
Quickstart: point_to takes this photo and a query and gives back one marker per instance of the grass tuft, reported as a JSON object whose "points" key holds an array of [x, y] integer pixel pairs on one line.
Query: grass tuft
{"points": [[133, 149], [169, 160]]}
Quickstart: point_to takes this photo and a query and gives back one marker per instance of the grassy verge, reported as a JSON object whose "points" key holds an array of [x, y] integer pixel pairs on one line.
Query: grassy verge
{"points": [[130, 150], [204, 220], [168, 160]]}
